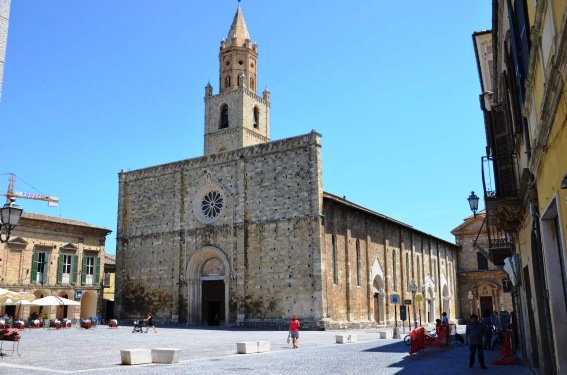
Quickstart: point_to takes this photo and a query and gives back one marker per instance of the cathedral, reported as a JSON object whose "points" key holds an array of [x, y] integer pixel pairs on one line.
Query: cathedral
{"points": [[246, 236]]}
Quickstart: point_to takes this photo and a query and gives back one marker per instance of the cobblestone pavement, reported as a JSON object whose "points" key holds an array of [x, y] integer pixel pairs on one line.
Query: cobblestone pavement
{"points": [[213, 351]]}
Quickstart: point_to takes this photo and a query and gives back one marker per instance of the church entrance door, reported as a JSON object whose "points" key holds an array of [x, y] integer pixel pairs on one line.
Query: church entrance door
{"points": [[213, 302]]}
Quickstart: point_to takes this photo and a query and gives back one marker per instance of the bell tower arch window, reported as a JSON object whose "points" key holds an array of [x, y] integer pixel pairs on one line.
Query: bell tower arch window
{"points": [[223, 117], [256, 117], [227, 82], [252, 84]]}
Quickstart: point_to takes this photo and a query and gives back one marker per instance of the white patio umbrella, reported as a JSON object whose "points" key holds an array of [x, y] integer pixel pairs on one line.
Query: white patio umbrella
{"points": [[11, 298], [55, 301]]}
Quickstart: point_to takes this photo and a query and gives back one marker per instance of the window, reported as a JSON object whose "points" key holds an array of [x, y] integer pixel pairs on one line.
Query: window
{"points": [[107, 279], [227, 82], [91, 270], [407, 270], [256, 117], [334, 259], [40, 263], [67, 269], [418, 266], [394, 269], [224, 117], [252, 84], [482, 262], [357, 263]]}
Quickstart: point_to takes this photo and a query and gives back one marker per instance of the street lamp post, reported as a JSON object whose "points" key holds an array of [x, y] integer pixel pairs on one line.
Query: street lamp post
{"points": [[413, 290], [470, 297], [9, 219], [473, 202]]}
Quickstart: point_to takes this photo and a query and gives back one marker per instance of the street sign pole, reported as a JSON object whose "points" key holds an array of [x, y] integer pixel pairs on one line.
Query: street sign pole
{"points": [[395, 299]]}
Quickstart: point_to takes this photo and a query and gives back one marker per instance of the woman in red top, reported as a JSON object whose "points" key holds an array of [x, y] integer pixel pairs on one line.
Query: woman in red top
{"points": [[294, 330]]}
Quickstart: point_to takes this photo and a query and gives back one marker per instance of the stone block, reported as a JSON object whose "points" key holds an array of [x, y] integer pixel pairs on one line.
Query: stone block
{"points": [[135, 356], [246, 347], [343, 339], [165, 355], [382, 334], [263, 346]]}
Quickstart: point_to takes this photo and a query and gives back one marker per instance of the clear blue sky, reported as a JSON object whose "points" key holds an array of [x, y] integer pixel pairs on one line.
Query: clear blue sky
{"points": [[92, 87]]}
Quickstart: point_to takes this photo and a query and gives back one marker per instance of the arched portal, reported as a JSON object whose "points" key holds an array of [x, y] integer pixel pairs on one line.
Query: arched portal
{"points": [[430, 290], [445, 295], [378, 286], [207, 278]]}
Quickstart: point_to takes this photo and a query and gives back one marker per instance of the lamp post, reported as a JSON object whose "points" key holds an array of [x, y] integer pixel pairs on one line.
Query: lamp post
{"points": [[9, 218], [413, 290], [470, 297], [473, 202]]}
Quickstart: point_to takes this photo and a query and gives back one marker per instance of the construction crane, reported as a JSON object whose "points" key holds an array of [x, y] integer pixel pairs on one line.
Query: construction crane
{"points": [[11, 194]]}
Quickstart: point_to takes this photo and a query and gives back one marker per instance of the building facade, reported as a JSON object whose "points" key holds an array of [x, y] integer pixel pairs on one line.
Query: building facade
{"points": [[245, 235], [483, 287], [46, 256], [522, 65]]}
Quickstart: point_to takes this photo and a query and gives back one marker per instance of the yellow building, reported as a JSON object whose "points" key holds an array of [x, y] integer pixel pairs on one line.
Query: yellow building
{"points": [[522, 65], [48, 255]]}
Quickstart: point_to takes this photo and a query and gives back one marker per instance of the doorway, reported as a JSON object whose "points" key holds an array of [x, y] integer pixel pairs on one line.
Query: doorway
{"points": [[213, 302], [486, 306]]}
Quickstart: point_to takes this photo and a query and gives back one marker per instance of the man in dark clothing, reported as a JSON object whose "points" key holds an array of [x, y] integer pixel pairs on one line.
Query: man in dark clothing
{"points": [[473, 338]]}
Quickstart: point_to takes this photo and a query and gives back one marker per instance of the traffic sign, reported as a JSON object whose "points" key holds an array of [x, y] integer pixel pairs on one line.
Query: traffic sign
{"points": [[418, 298], [395, 298]]}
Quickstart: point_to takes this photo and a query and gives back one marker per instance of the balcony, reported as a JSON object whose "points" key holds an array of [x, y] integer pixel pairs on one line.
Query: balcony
{"points": [[502, 202], [495, 244]]}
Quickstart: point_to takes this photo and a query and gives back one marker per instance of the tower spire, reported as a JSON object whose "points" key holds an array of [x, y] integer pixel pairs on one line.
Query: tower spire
{"points": [[238, 33]]}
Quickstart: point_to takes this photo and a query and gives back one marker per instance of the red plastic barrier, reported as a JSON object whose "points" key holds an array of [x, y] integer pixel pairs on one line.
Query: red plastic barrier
{"points": [[417, 340]]}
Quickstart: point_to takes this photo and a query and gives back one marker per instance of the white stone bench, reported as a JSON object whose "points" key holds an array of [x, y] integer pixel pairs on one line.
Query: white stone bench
{"points": [[247, 347], [343, 339], [135, 356], [263, 346], [165, 355], [382, 334]]}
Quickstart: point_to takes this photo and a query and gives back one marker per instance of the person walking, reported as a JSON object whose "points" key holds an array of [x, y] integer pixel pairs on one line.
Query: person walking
{"points": [[474, 333], [294, 330], [447, 327], [150, 323]]}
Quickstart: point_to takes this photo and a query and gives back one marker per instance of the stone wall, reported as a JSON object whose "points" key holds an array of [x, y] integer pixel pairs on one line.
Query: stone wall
{"points": [[267, 234]]}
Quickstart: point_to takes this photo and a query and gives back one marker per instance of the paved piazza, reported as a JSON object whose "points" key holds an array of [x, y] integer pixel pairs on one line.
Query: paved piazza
{"points": [[213, 351]]}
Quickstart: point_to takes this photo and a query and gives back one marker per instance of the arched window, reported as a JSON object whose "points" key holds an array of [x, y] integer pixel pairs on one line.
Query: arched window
{"points": [[227, 81], [418, 266], [334, 258], [357, 263], [224, 117], [252, 84], [256, 117], [407, 270], [394, 270]]}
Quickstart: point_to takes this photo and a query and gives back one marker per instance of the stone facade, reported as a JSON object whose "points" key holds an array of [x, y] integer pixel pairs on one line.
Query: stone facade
{"points": [[48, 255], [488, 284], [245, 234]]}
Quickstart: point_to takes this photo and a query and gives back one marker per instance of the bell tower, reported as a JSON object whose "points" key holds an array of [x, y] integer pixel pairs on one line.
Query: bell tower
{"points": [[236, 117]]}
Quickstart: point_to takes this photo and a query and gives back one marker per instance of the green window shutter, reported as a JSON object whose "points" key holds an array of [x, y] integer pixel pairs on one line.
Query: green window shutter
{"points": [[84, 271], [60, 269], [46, 269], [35, 257], [97, 271], [74, 266]]}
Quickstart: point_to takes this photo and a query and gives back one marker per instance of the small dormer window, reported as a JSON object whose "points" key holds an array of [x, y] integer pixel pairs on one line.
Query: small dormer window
{"points": [[224, 117]]}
